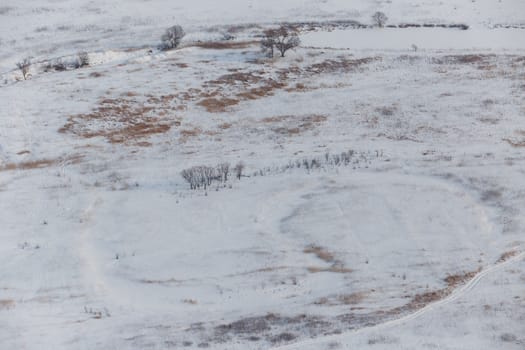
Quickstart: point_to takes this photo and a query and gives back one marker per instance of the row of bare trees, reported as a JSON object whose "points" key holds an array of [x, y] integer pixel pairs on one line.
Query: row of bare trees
{"points": [[202, 176]]}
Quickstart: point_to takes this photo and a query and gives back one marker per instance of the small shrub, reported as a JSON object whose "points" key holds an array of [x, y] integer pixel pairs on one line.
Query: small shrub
{"points": [[24, 66], [172, 37], [82, 59], [59, 65]]}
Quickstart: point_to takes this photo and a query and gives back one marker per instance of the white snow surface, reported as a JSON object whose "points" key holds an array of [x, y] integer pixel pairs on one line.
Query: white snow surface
{"points": [[104, 246]]}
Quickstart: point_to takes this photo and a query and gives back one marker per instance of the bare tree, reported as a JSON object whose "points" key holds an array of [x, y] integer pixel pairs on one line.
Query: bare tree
{"points": [[24, 66], [282, 39], [268, 42], [379, 19], [223, 170], [172, 37], [208, 174], [239, 168], [188, 175]]}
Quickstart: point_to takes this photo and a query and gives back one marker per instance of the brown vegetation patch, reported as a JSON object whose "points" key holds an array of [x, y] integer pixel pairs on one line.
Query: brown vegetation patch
{"points": [[267, 89], [6, 304], [342, 299], [421, 300], [319, 252], [513, 143], [454, 280], [341, 65], [481, 61], [122, 120], [224, 126], [507, 255], [216, 105], [236, 78], [32, 164]]}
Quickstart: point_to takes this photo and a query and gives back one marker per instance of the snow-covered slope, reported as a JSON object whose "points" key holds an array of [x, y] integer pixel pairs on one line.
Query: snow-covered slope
{"points": [[380, 204]]}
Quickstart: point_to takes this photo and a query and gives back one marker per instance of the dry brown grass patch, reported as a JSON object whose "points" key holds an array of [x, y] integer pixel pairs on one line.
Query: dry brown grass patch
{"points": [[224, 126], [423, 299], [216, 105], [6, 304], [341, 65], [514, 143], [507, 255], [482, 62], [191, 132], [320, 252], [32, 164], [342, 299], [237, 77], [122, 120], [454, 280]]}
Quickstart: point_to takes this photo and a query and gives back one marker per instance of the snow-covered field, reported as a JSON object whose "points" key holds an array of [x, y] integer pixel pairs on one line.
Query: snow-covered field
{"points": [[381, 205]]}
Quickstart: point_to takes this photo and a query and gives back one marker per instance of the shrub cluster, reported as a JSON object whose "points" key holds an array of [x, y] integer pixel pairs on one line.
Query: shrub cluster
{"points": [[203, 176]]}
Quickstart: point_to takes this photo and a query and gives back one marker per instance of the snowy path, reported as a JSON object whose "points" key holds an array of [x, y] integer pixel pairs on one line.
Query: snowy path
{"points": [[455, 295]]}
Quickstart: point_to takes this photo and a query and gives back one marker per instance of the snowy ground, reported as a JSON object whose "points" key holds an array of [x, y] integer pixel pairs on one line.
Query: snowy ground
{"points": [[416, 243]]}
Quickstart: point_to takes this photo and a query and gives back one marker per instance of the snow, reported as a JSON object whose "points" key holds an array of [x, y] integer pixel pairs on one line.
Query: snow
{"points": [[497, 40], [105, 246]]}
